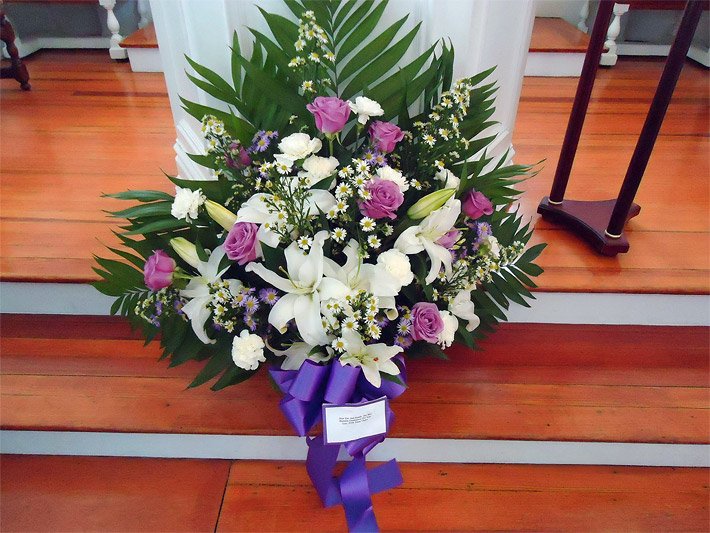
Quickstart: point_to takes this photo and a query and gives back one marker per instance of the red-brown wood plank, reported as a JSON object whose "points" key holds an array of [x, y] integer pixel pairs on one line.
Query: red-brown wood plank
{"points": [[271, 496], [122, 122], [49, 493], [531, 381]]}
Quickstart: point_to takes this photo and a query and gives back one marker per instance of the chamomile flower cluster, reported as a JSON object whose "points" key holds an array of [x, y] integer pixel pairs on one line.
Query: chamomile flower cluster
{"points": [[314, 59], [358, 312], [156, 306], [440, 138]]}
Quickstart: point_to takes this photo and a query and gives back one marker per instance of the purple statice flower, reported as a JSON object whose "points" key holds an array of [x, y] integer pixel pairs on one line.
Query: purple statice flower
{"points": [[268, 296], [369, 156], [154, 320], [380, 159], [484, 230], [382, 321], [405, 341], [158, 308], [250, 305], [250, 322], [262, 140], [404, 326], [178, 305], [217, 327]]}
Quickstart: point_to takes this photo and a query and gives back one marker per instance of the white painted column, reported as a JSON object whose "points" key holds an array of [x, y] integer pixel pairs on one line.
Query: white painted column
{"points": [[484, 33], [144, 13], [115, 50]]}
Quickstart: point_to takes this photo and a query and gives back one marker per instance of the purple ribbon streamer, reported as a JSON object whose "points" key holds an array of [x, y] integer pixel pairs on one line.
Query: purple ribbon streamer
{"points": [[305, 392]]}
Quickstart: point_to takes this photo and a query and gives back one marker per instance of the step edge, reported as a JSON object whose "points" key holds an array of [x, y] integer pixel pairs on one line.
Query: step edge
{"points": [[194, 446], [548, 308]]}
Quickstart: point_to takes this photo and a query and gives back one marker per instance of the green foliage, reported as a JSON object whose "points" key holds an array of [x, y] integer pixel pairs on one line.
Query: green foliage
{"points": [[263, 92]]}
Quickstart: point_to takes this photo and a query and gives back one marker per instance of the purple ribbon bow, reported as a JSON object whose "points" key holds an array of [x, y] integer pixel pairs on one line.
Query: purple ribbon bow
{"points": [[305, 392]]}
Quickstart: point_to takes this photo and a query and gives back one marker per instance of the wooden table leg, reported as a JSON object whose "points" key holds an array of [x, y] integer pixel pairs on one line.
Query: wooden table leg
{"points": [[17, 68], [602, 222]]}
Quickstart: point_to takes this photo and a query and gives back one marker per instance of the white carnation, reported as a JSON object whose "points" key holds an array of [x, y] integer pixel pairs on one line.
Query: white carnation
{"points": [[463, 307], [187, 203], [318, 168], [390, 174], [451, 324], [365, 108], [451, 181], [493, 245], [397, 265], [299, 146], [248, 350]]}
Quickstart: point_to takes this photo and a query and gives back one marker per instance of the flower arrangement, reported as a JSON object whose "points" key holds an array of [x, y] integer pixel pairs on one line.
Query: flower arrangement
{"points": [[354, 219]]}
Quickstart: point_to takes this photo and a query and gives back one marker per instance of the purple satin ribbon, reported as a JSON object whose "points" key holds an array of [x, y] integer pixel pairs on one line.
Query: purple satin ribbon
{"points": [[305, 392]]}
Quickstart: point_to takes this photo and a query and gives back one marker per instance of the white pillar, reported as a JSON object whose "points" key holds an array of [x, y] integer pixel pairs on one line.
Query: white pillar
{"points": [[115, 50], [484, 33], [144, 13], [610, 57], [583, 14]]}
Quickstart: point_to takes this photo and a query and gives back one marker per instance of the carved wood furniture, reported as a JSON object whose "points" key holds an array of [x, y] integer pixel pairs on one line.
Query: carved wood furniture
{"points": [[17, 68], [602, 222]]}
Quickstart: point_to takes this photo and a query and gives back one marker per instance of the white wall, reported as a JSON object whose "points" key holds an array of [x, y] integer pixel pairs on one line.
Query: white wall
{"points": [[484, 33], [565, 9]]}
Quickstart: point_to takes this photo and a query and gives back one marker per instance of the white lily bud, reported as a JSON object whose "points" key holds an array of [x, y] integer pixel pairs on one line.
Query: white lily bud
{"points": [[220, 214], [186, 250], [431, 202]]}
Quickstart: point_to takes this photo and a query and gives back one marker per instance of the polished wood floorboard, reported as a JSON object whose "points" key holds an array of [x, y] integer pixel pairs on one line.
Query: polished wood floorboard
{"points": [[50, 493], [556, 35], [41, 493], [461, 497], [90, 125], [599, 383]]}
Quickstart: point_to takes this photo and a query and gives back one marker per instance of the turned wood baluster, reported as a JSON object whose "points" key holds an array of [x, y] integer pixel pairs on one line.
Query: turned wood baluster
{"points": [[115, 51], [610, 57]]}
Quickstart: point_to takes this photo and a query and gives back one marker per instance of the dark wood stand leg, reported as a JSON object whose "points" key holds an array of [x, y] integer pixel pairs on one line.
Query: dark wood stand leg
{"points": [[602, 222], [17, 68]]}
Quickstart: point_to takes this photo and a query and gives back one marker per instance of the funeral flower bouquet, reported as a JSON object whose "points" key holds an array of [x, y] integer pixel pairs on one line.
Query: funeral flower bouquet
{"points": [[353, 220]]}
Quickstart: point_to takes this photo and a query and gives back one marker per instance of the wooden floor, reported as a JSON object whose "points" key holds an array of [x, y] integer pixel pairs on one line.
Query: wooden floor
{"points": [[599, 383], [121, 494], [556, 35], [90, 126]]}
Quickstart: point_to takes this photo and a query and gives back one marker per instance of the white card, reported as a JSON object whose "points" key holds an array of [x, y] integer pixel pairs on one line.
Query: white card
{"points": [[343, 423]]}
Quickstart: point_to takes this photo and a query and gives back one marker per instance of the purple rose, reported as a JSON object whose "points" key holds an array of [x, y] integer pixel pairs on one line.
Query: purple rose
{"points": [[158, 270], [240, 244], [385, 198], [331, 113], [385, 135], [426, 322], [449, 239], [238, 156], [475, 205]]}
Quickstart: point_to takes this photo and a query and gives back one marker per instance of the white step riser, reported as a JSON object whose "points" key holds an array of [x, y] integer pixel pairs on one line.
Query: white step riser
{"points": [[554, 64], [145, 60], [548, 308], [405, 450]]}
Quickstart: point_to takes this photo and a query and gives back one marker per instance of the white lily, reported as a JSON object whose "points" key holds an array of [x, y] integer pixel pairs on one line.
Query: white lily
{"points": [[356, 275], [198, 291], [257, 211], [304, 288], [463, 307], [296, 355], [372, 358], [424, 236]]}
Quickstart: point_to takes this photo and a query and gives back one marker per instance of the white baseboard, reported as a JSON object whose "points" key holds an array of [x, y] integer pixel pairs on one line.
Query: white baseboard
{"points": [[26, 47], [554, 64], [406, 450], [701, 55], [548, 308], [642, 49], [145, 60]]}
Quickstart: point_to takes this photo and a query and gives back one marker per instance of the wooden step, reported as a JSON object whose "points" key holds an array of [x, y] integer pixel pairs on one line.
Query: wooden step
{"points": [[556, 35], [41, 493], [532, 382], [141, 38]]}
